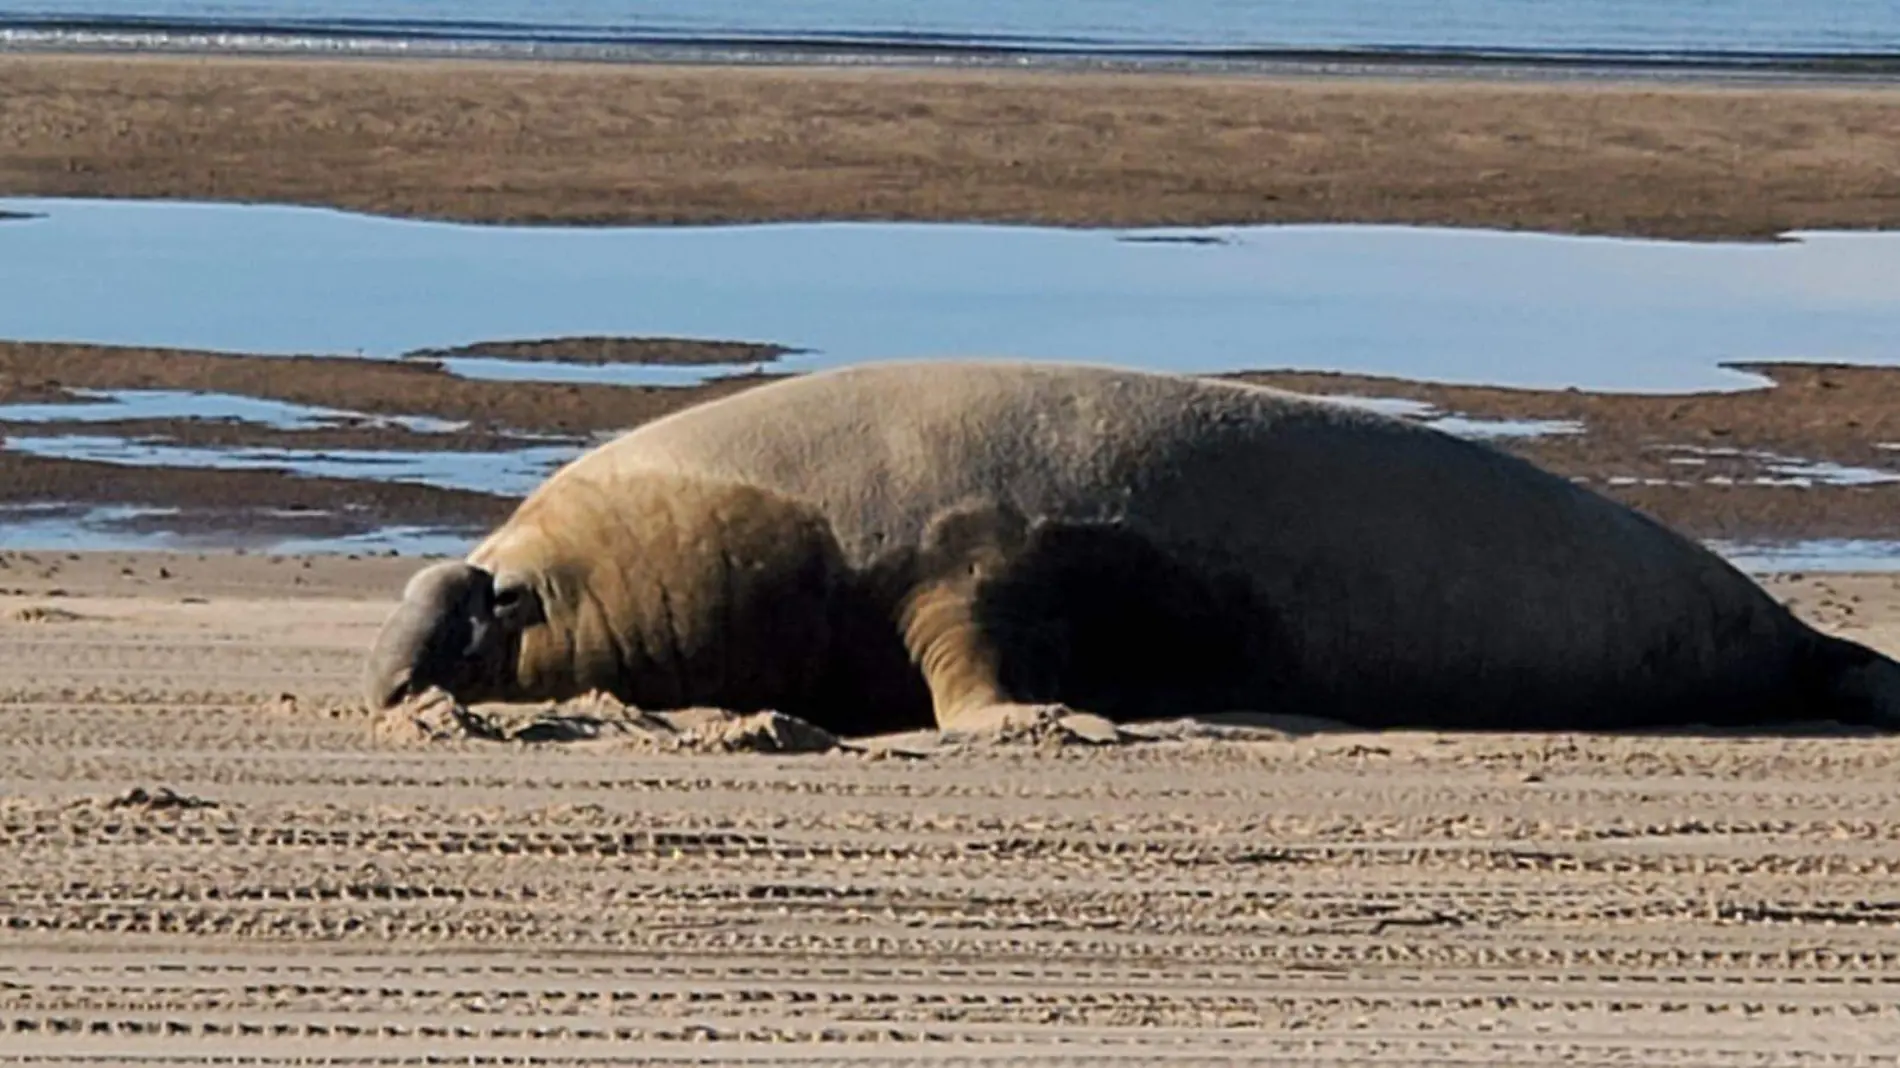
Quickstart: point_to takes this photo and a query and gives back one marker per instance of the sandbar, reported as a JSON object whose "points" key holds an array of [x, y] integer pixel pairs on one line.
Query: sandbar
{"points": [[583, 143]]}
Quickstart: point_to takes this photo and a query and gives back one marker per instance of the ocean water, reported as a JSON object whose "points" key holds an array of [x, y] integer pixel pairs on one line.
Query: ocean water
{"points": [[1675, 31]]}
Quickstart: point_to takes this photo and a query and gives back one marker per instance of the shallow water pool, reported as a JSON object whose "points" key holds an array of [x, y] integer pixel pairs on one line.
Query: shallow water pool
{"points": [[122, 528], [117, 405], [511, 473], [1450, 305]]}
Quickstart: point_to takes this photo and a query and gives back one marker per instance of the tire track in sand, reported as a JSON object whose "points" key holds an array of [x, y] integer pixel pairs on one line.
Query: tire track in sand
{"points": [[1338, 899]]}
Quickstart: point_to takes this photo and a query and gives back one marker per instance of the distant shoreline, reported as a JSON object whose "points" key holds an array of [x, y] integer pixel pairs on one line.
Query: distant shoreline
{"points": [[898, 53]]}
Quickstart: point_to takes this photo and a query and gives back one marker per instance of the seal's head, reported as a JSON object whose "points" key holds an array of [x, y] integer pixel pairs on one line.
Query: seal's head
{"points": [[458, 628], [665, 591]]}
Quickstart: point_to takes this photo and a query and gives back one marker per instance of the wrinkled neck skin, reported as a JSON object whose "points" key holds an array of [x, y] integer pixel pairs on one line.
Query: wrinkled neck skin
{"points": [[670, 592], [584, 646]]}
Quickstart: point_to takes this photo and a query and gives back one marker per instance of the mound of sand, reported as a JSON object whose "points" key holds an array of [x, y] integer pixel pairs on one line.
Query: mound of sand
{"points": [[434, 716], [598, 719], [1038, 725]]}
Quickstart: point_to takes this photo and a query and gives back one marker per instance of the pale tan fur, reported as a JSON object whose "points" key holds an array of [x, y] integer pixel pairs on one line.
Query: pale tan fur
{"points": [[658, 587], [1343, 563]]}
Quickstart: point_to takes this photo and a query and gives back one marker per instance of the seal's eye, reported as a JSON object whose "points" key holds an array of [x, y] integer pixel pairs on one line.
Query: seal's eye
{"points": [[515, 603]]}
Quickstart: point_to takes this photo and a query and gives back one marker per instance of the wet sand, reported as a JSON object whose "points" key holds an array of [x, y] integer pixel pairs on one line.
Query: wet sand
{"points": [[1705, 463], [1638, 448], [580, 143], [209, 852]]}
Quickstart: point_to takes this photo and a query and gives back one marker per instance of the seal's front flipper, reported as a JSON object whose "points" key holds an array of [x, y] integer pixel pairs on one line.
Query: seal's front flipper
{"points": [[973, 657]]}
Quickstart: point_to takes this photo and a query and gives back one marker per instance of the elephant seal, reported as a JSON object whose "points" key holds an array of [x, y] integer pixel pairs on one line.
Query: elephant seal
{"points": [[901, 544]]}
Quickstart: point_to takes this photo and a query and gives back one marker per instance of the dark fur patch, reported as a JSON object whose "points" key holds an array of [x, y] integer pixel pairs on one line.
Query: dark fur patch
{"points": [[1097, 617]]}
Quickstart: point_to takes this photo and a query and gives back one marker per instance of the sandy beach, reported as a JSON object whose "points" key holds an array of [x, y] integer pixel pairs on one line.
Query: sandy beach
{"points": [[209, 850]]}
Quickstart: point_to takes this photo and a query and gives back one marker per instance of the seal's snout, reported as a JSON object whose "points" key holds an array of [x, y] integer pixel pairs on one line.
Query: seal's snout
{"points": [[444, 633], [388, 692]]}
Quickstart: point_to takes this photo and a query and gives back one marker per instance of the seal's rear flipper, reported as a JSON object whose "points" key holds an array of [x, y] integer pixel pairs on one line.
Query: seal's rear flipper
{"points": [[1860, 686]]}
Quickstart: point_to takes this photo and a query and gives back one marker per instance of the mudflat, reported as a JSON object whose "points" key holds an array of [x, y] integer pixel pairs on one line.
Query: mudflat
{"points": [[590, 143], [1809, 455], [211, 852]]}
